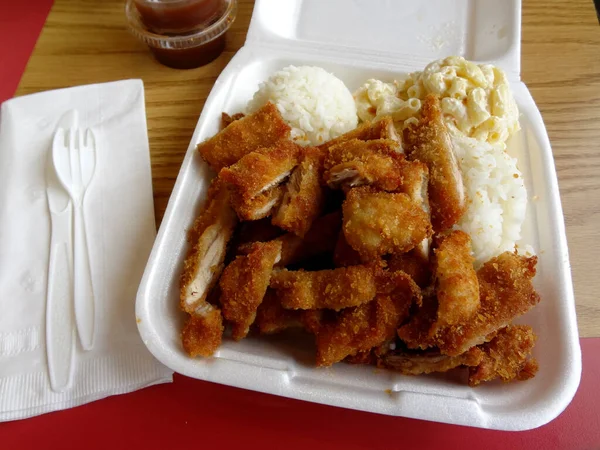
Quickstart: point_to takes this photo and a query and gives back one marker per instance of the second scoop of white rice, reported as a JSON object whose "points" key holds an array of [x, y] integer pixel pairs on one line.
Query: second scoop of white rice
{"points": [[315, 103]]}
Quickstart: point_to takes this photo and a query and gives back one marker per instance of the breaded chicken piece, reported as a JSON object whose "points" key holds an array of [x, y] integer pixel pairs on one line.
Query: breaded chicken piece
{"points": [[332, 289], [507, 357], [399, 285], [415, 184], [378, 223], [368, 131], [455, 279], [271, 317], [203, 331], [429, 362], [343, 254], [505, 292], [319, 239], [360, 328], [429, 142], [262, 129], [208, 238], [257, 207], [304, 198], [364, 163], [244, 283], [413, 264], [261, 170]]}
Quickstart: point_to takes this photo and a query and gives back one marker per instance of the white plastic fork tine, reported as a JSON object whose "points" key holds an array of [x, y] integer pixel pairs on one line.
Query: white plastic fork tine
{"points": [[59, 138]]}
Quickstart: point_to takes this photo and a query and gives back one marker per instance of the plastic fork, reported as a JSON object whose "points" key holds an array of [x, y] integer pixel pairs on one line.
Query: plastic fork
{"points": [[74, 159]]}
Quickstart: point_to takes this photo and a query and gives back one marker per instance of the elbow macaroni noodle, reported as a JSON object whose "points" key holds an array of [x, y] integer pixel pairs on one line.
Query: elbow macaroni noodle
{"points": [[476, 99]]}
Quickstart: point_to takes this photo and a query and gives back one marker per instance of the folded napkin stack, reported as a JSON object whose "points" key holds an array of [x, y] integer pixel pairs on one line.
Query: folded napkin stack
{"points": [[120, 230]]}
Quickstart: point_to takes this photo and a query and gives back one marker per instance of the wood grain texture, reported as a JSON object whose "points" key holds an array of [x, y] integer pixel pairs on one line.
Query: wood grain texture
{"points": [[86, 41]]}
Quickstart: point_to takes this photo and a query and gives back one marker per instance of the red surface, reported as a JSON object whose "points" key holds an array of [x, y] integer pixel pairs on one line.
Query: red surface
{"points": [[196, 414], [20, 24]]}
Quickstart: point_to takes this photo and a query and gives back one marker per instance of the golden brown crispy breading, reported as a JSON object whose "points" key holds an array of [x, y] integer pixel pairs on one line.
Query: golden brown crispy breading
{"points": [[399, 285], [203, 331], [333, 289], [455, 279], [415, 184], [419, 363], [506, 357], [505, 292], [359, 329], [368, 131], [319, 239], [343, 254], [304, 199], [378, 223], [261, 170], [413, 264], [364, 163], [257, 207], [208, 238], [226, 119], [429, 142], [244, 283], [271, 317], [263, 128]]}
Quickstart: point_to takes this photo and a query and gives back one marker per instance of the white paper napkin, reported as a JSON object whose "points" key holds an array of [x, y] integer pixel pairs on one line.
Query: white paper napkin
{"points": [[121, 229]]}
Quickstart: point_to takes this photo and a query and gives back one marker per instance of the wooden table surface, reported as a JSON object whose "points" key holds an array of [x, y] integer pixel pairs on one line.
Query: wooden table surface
{"points": [[86, 41]]}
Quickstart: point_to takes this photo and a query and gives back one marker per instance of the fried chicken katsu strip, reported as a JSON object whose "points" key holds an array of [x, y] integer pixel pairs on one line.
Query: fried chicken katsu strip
{"points": [[244, 283], [208, 237], [363, 333], [378, 223], [304, 199], [456, 282], [261, 170], [505, 292], [203, 331], [359, 329], [258, 207], [262, 129], [364, 163], [333, 289], [415, 184], [506, 357], [429, 142], [429, 362], [368, 131]]}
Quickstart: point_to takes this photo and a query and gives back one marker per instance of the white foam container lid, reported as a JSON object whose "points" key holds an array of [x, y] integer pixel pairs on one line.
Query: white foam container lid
{"points": [[357, 40]]}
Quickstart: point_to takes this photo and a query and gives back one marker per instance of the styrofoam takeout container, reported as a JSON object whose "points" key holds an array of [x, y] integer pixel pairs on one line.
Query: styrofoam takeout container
{"points": [[357, 40]]}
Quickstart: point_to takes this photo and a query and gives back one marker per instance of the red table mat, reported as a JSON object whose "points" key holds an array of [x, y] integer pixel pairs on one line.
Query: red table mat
{"points": [[196, 414]]}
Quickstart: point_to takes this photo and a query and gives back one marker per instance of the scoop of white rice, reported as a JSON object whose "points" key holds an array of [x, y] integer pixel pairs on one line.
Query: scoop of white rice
{"points": [[497, 197], [315, 103]]}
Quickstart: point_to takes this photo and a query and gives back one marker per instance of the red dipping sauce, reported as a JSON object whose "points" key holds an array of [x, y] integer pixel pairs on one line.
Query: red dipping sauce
{"points": [[182, 33], [178, 16]]}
